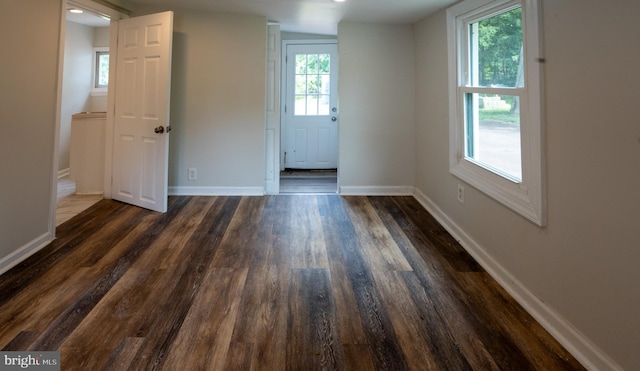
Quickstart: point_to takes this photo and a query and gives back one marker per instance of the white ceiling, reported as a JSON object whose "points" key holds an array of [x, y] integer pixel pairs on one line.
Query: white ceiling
{"points": [[87, 18], [315, 16]]}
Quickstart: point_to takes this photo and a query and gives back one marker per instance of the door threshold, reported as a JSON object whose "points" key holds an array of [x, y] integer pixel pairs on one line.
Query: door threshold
{"points": [[304, 181]]}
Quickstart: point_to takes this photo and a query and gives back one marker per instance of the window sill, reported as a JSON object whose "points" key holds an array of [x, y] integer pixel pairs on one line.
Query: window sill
{"points": [[99, 92], [514, 195]]}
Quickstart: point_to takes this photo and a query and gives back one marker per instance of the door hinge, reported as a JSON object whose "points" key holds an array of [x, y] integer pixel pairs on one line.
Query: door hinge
{"points": [[285, 157]]}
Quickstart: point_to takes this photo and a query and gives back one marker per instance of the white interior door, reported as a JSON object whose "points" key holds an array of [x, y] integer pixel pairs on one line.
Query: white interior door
{"points": [[141, 124], [311, 112]]}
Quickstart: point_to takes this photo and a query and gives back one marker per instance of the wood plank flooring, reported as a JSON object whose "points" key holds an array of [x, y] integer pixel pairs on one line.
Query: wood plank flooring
{"points": [[287, 282]]}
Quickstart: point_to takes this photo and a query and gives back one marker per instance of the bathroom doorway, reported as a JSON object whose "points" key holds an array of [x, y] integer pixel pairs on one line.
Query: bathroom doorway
{"points": [[86, 40]]}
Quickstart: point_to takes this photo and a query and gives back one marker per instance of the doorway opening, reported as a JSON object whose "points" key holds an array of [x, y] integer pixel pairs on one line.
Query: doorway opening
{"points": [[83, 105], [86, 39], [309, 132]]}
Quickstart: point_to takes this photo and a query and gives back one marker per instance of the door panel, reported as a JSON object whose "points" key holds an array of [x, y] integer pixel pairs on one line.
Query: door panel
{"points": [[149, 160], [143, 68], [125, 184], [311, 107], [300, 145], [150, 86], [324, 145]]}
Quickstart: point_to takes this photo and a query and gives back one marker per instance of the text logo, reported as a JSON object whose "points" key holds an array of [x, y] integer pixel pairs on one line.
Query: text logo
{"points": [[30, 361]]}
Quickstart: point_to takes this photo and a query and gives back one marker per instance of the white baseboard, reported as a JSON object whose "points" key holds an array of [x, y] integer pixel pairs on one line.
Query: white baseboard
{"points": [[24, 252], [587, 353], [216, 191], [259, 191], [376, 191], [64, 173]]}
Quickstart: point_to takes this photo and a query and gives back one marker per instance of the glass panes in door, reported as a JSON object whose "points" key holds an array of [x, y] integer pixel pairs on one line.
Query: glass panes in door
{"points": [[312, 84]]}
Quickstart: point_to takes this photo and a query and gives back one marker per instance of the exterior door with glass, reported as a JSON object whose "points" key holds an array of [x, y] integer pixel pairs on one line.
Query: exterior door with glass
{"points": [[311, 112]]}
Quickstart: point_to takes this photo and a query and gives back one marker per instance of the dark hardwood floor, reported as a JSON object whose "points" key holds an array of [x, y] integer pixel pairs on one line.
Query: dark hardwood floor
{"points": [[269, 283]]}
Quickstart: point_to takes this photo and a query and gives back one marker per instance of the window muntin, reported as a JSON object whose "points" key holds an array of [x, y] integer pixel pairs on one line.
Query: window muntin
{"points": [[495, 101]]}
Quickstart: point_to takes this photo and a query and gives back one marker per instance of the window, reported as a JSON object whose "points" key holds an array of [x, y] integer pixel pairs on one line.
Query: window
{"points": [[495, 101], [100, 70], [313, 90]]}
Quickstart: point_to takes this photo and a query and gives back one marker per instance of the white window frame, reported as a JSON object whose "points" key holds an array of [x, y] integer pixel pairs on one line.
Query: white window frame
{"points": [[526, 196], [97, 91]]}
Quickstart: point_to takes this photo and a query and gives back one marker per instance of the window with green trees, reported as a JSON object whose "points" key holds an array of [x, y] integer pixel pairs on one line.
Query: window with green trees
{"points": [[102, 69], [495, 94], [492, 124]]}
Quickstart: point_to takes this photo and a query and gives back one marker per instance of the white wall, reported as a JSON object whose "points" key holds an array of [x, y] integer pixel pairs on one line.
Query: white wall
{"points": [[218, 102], [584, 265], [30, 31], [377, 108], [76, 82], [101, 37]]}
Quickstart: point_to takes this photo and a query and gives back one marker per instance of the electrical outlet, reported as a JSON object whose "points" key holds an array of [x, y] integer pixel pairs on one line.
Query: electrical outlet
{"points": [[460, 193], [193, 173]]}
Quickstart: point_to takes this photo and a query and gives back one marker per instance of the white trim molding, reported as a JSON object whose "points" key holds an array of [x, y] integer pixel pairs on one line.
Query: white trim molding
{"points": [[64, 173], [587, 353], [216, 191], [21, 254], [376, 191]]}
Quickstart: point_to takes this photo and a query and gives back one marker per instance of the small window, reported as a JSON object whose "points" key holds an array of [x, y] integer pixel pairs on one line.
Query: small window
{"points": [[312, 90], [495, 101], [100, 69]]}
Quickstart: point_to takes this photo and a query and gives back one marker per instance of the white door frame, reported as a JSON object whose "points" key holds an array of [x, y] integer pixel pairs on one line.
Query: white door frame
{"points": [[111, 109], [283, 98], [273, 123]]}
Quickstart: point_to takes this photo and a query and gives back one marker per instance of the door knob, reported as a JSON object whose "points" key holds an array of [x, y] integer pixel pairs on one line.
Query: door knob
{"points": [[168, 128], [159, 130], [334, 118]]}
